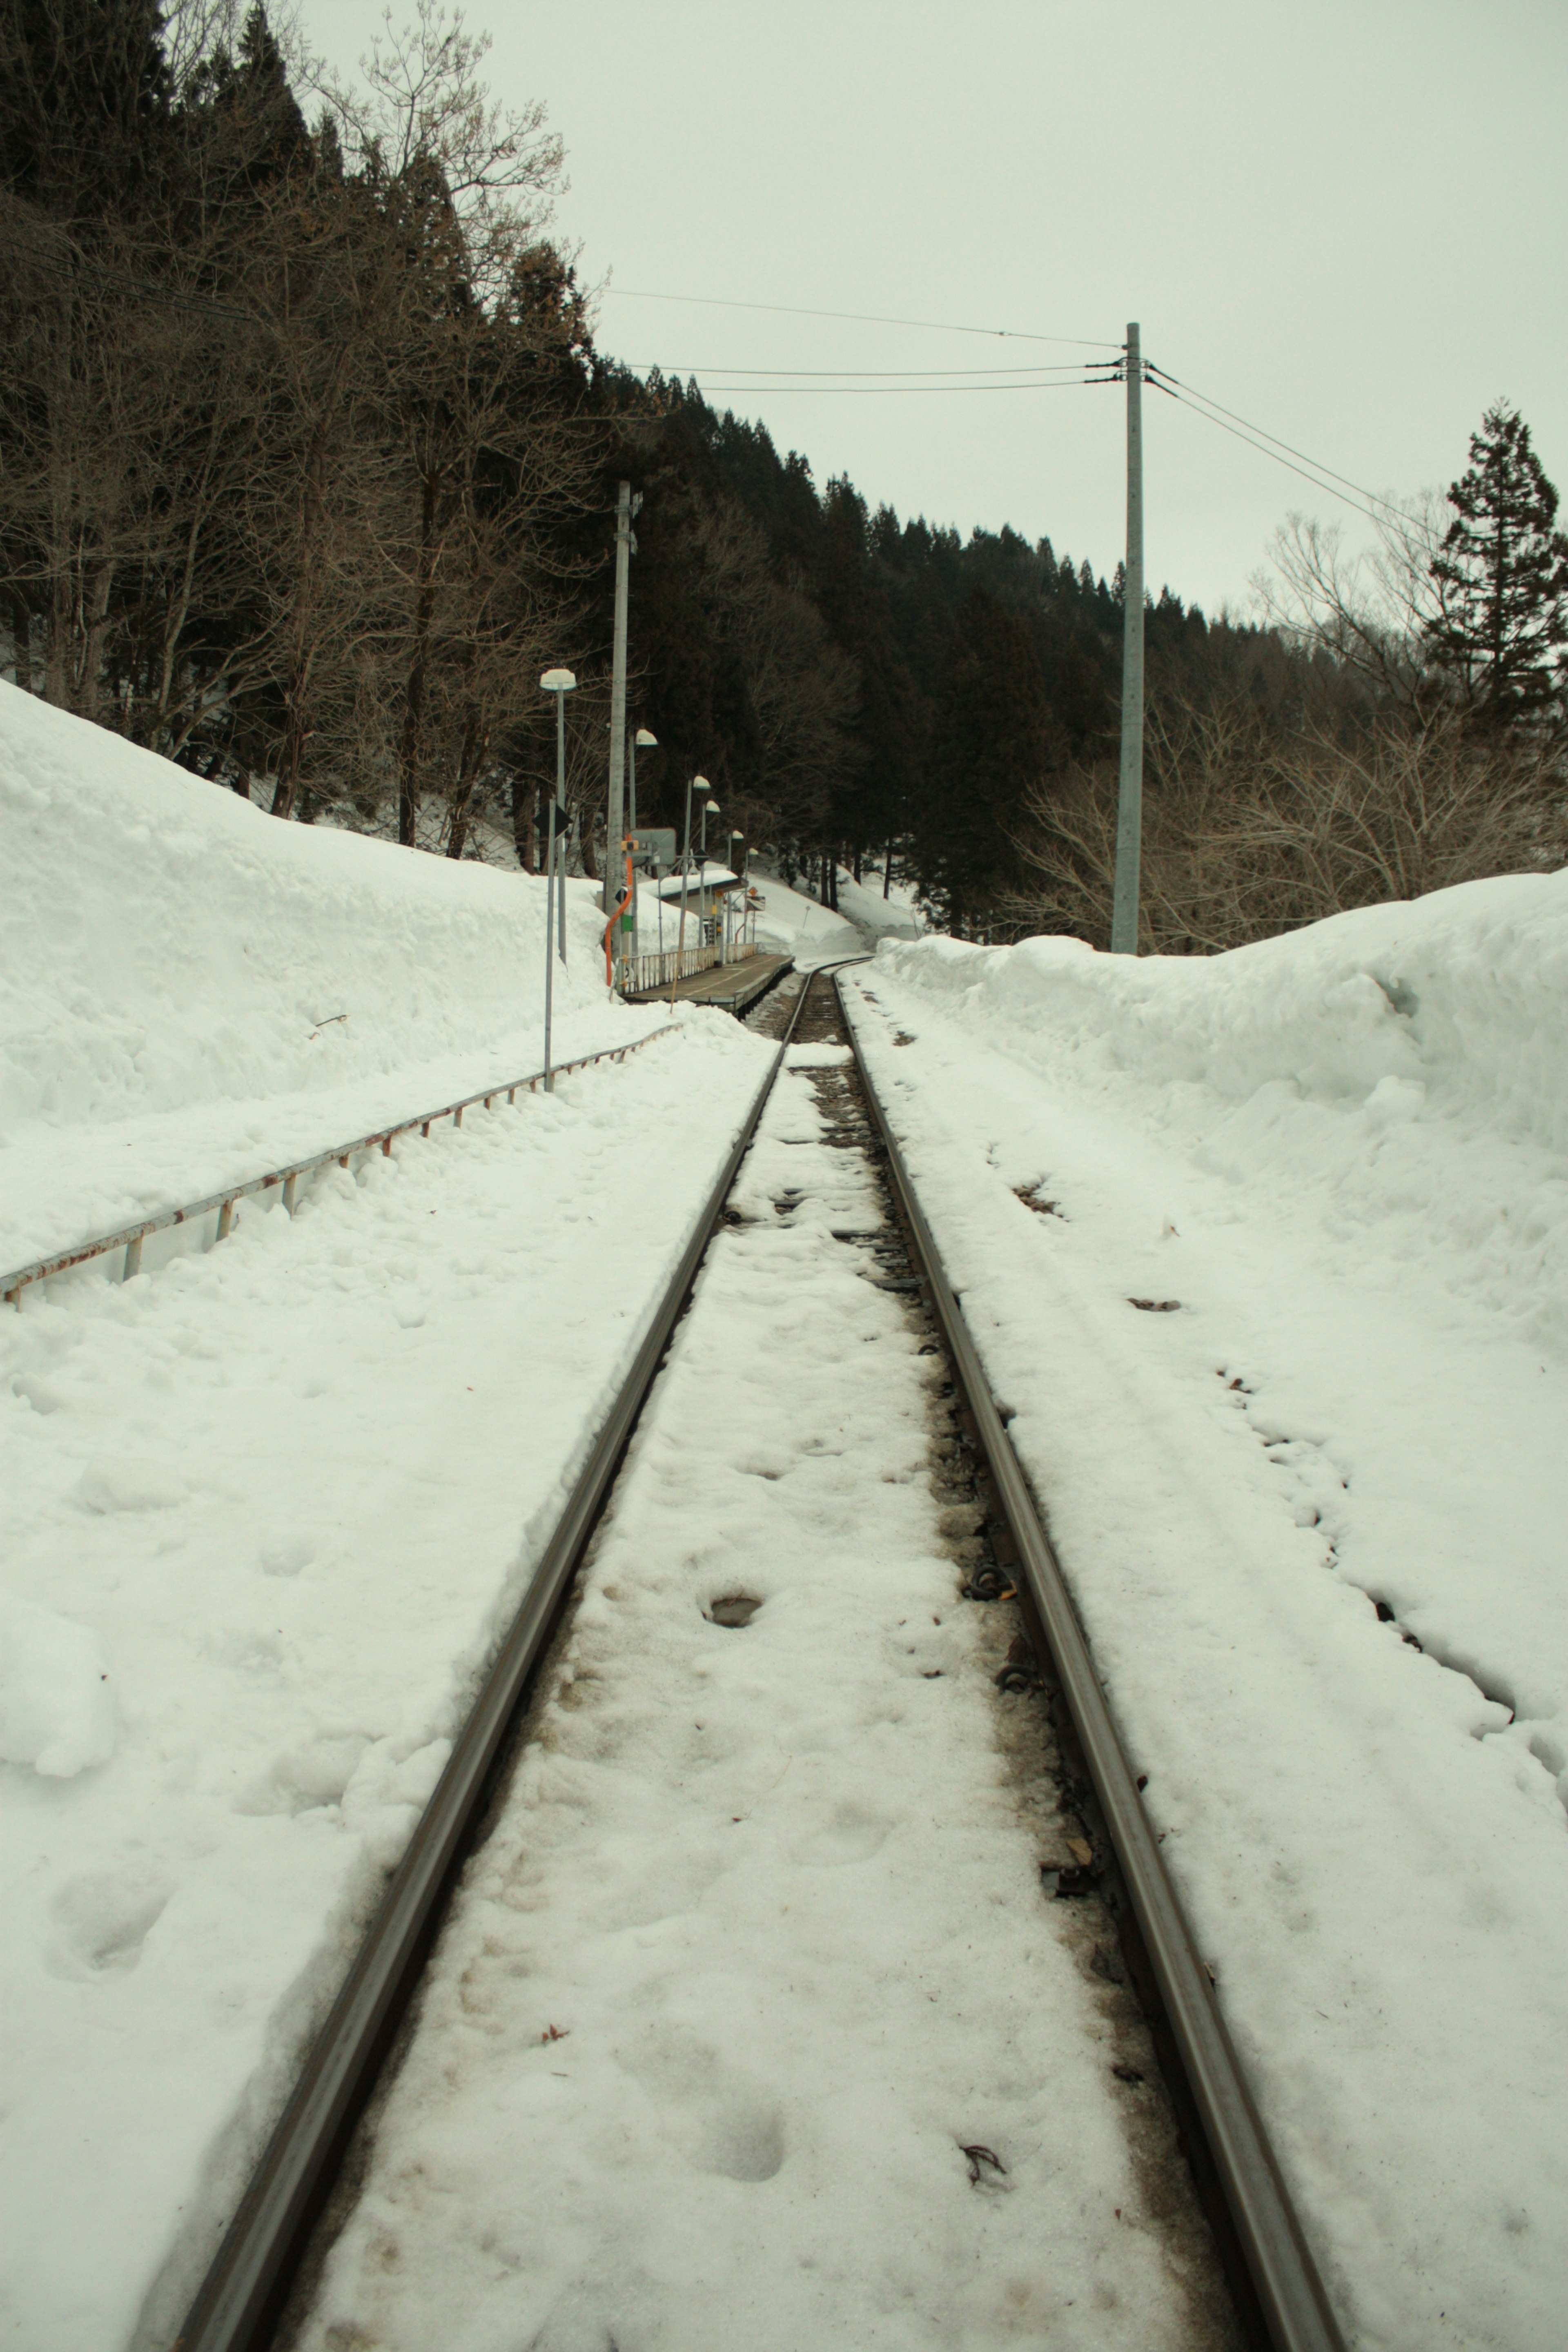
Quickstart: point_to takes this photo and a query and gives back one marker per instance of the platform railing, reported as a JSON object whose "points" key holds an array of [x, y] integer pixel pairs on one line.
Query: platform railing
{"points": [[634, 975], [657, 970]]}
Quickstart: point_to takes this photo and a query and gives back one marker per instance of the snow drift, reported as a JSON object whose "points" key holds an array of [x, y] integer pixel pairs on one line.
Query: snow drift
{"points": [[1311, 1508], [173, 957], [168, 943], [1410, 1061], [268, 1506]]}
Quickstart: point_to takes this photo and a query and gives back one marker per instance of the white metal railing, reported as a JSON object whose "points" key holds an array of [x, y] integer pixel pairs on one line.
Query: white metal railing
{"points": [[657, 970], [131, 1237], [634, 975]]}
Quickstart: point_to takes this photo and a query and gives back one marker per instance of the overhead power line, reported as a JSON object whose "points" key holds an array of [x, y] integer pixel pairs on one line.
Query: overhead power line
{"points": [[1062, 367], [1378, 514], [890, 390], [859, 318], [1190, 398]]}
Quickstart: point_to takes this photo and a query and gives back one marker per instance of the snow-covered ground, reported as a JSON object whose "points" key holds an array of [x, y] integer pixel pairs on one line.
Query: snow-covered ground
{"points": [[895, 917], [794, 923], [791, 923], [266, 1507], [1334, 1170], [1267, 1253], [757, 1948]]}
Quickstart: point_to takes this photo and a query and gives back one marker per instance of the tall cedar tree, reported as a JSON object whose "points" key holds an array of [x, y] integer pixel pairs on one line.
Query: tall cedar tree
{"points": [[1502, 576], [987, 750], [84, 100]]}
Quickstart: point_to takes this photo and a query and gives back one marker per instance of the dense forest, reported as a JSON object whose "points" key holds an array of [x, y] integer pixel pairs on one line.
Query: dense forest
{"points": [[308, 470]]}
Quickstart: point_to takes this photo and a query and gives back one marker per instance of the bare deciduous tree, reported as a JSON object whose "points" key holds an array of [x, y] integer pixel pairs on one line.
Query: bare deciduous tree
{"points": [[1370, 611], [1249, 832]]}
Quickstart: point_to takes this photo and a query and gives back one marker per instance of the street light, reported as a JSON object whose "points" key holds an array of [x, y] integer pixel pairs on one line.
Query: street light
{"points": [[735, 870], [559, 683], [642, 740], [701, 783], [709, 808]]}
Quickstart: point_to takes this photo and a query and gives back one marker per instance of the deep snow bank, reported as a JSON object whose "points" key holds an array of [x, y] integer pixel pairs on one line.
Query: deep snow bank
{"points": [[266, 1509], [171, 951], [1407, 1063], [1311, 1511], [794, 923]]}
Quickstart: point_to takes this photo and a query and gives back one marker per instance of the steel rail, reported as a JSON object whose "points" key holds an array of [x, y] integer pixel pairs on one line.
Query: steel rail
{"points": [[1294, 2305], [131, 1237], [239, 2303]]}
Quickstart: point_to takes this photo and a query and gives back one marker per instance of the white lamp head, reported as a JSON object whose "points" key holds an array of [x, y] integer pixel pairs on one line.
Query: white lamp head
{"points": [[645, 742], [558, 681]]}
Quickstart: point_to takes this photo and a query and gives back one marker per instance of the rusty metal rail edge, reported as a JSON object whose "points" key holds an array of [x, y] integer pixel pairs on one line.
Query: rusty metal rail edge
{"points": [[237, 2304], [1290, 2294], [131, 1237]]}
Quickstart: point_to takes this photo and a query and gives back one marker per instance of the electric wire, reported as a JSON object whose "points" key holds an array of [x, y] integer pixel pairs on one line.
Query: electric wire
{"points": [[1063, 367], [1193, 394], [1372, 514], [55, 250], [1045, 377], [857, 318], [888, 391]]}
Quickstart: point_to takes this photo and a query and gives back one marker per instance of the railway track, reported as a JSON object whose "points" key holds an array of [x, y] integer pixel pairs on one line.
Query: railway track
{"points": [[1250, 2279]]}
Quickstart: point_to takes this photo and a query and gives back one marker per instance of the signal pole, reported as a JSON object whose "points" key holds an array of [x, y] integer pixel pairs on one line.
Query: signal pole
{"points": [[1130, 796]]}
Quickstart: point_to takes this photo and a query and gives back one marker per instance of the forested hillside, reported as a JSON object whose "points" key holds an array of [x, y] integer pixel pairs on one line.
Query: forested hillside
{"points": [[310, 460]]}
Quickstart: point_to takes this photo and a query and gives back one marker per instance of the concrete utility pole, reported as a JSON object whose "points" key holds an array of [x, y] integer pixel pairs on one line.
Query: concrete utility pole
{"points": [[1130, 798], [626, 546]]}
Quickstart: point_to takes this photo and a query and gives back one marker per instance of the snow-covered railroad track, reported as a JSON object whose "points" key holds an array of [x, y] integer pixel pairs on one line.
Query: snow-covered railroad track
{"points": [[768, 1871]]}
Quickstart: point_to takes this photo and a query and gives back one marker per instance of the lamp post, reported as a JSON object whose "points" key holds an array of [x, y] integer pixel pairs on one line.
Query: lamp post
{"points": [[559, 683], [709, 808], [644, 741], [692, 782], [735, 870]]}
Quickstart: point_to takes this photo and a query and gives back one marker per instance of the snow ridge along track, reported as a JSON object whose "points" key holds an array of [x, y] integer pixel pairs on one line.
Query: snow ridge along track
{"points": [[1291, 2301], [241, 2301]]}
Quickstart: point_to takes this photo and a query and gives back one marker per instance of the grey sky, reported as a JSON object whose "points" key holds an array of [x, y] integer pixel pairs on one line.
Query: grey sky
{"points": [[1343, 221]]}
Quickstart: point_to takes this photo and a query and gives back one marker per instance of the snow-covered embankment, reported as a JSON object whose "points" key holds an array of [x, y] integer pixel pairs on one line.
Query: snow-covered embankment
{"points": [[267, 1508]]}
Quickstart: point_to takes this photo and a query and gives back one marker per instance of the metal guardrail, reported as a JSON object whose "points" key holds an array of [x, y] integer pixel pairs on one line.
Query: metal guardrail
{"points": [[131, 1237], [1293, 2304], [237, 2304]]}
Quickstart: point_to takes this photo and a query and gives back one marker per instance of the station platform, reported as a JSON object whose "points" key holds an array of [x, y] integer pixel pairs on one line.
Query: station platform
{"points": [[730, 986]]}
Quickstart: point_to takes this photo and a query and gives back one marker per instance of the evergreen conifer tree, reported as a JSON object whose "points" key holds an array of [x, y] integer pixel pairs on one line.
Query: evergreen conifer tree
{"points": [[84, 96], [1502, 578]]}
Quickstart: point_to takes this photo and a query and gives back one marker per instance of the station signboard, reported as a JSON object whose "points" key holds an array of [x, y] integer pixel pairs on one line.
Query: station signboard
{"points": [[652, 847]]}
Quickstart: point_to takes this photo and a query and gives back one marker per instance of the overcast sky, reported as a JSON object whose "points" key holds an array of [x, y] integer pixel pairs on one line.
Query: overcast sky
{"points": [[1344, 221]]}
